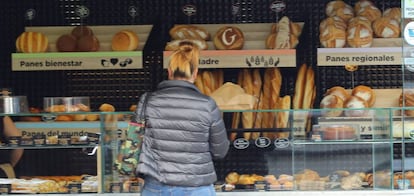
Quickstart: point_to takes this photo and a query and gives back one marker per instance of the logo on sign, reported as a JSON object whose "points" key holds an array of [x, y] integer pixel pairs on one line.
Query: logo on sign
{"points": [[241, 143], [189, 10], [262, 61], [115, 61], [82, 11], [133, 11], [278, 6], [262, 142], [282, 143], [30, 14]]}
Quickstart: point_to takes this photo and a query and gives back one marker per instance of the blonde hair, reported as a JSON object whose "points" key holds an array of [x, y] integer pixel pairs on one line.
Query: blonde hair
{"points": [[184, 61]]}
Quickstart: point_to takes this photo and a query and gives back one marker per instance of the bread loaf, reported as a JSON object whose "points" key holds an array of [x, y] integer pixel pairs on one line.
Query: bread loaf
{"points": [[189, 32], [346, 12], [332, 36], [386, 27], [88, 43], [80, 31], [66, 43], [282, 117], [354, 102], [247, 117], [299, 87], [32, 42], [339, 91], [365, 93], [125, 40], [334, 5], [333, 103], [208, 82], [371, 12], [229, 38], [174, 44], [361, 4], [407, 100], [267, 121], [359, 36], [257, 92], [394, 13]]}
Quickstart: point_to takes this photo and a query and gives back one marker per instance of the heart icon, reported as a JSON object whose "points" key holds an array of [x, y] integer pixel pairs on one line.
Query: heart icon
{"points": [[114, 61]]}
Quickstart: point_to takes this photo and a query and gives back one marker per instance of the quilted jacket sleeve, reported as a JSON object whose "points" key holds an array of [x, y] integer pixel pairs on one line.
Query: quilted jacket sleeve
{"points": [[219, 143]]}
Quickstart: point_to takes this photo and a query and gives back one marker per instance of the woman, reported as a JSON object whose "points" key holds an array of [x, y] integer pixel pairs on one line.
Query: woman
{"points": [[8, 158], [184, 132]]}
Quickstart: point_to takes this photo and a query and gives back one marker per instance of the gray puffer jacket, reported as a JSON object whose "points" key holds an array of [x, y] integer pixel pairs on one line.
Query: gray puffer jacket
{"points": [[184, 133]]}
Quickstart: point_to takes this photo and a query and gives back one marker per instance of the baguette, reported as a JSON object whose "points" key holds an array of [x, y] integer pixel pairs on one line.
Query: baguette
{"points": [[208, 83], [267, 94], [247, 117], [283, 116], [257, 92], [299, 86], [219, 78]]}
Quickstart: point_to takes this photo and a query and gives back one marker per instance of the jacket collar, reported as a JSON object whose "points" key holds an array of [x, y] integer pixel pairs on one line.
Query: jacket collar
{"points": [[177, 83]]}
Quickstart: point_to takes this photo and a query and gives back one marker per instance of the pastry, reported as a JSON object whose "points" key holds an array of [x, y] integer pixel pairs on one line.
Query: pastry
{"points": [[189, 32], [106, 107], [359, 36], [125, 40], [386, 27], [338, 91], [88, 43], [229, 38], [66, 43], [92, 117], [32, 42], [332, 102], [353, 103], [333, 36], [80, 31], [366, 93], [174, 44]]}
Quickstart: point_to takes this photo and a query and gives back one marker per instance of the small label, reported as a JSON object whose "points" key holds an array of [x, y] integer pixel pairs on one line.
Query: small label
{"points": [[189, 10], [263, 142], [260, 186], [5, 188], [282, 143], [241, 143], [278, 6]]}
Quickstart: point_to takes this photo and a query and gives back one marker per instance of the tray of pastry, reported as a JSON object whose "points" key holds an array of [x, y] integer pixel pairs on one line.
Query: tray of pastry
{"points": [[240, 45]]}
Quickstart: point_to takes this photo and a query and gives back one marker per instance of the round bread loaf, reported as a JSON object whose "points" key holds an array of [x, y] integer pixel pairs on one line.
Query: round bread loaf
{"points": [[353, 103], [346, 12], [339, 91], [336, 21], [88, 43], [360, 20], [333, 36], [32, 42], [229, 38], [366, 93], [361, 4], [82, 30], [125, 40], [189, 32], [393, 12], [332, 6], [359, 36], [66, 43], [371, 12], [331, 102], [386, 27]]}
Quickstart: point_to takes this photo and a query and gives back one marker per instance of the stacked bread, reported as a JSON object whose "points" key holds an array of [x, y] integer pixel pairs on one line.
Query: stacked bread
{"points": [[81, 39], [284, 35], [267, 89], [357, 26], [208, 81], [190, 33], [336, 98]]}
